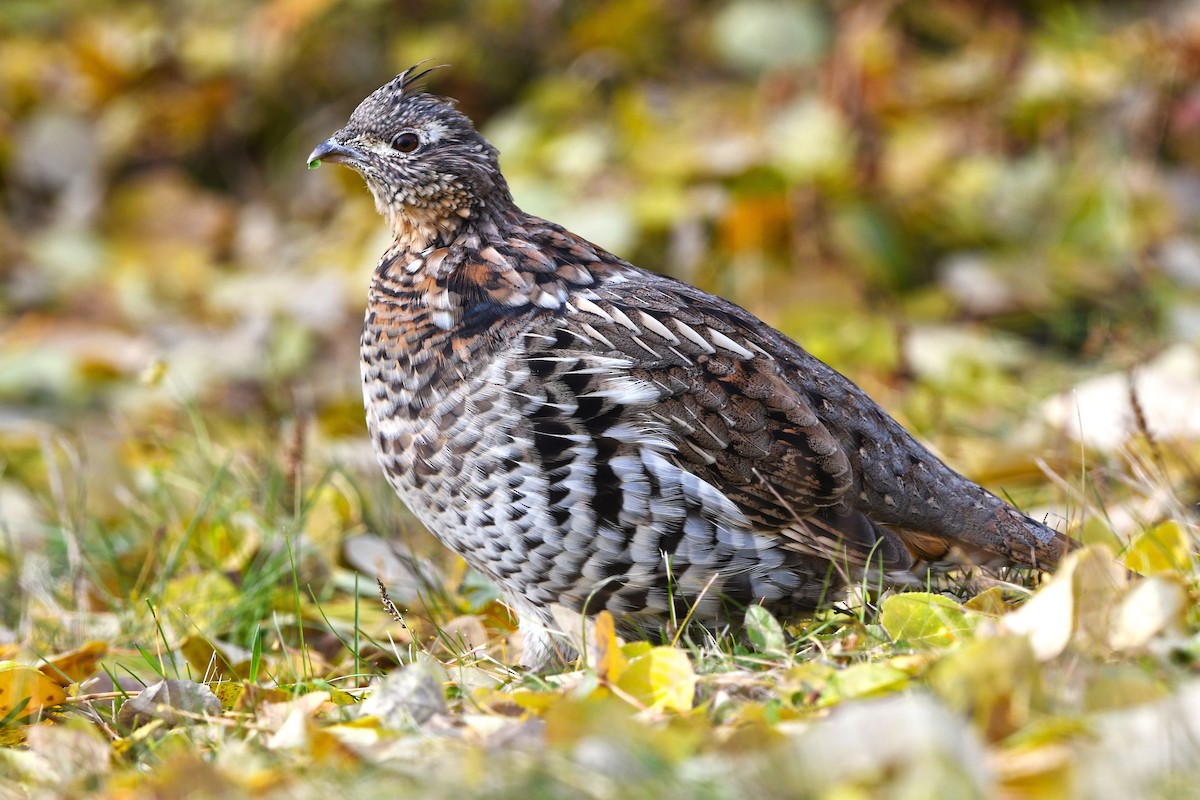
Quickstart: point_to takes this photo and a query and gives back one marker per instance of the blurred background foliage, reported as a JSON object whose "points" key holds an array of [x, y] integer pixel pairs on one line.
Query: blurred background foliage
{"points": [[837, 167], [986, 212], [967, 206]]}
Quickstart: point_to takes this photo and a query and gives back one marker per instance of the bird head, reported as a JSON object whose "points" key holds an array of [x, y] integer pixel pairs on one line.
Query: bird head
{"points": [[425, 164]]}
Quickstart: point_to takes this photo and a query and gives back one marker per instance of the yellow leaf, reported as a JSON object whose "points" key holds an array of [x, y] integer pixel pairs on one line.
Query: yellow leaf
{"points": [[995, 680], [990, 602], [1048, 618], [1041, 773], [20, 683], [635, 649], [75, 666], [607, 657], [528, 699], [230, 693], [662, 679], [215, 659], [1163, 548], [805, 681], [864, 680]]}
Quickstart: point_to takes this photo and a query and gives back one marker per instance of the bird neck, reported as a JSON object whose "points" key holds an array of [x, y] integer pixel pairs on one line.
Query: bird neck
{"points": [[419, 229]]}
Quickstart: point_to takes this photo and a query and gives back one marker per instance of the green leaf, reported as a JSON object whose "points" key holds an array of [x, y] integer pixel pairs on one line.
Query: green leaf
{"points": [[867, 679], [764, 631], [924, 618]]}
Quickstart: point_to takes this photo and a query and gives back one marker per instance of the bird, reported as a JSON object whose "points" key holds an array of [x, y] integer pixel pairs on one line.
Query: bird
{"points": [[592, 436]]}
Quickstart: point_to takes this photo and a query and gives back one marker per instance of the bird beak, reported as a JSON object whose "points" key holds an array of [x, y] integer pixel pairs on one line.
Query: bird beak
{"points": [[335, 152]]}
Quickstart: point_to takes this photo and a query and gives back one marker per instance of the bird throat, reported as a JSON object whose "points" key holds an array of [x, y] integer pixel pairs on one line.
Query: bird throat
{"points": [[418, 228]]}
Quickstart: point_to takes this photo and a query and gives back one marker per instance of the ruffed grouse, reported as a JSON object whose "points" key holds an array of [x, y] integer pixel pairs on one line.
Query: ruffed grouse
{"points": [[590, 435]]}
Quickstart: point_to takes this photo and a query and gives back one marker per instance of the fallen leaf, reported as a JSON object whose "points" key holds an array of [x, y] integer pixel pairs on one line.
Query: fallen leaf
{"points": [[995, 680], [408, 697], [1098, 584], [215, 659], [1164, 548], [990, 603], [1079, 597], [172, 701], [273, 715], [924, 618], [1153, 606], [764, 631], [28, 689], [866, 679], [76, 751], [75, 666], [606, 656], [662, 679]]}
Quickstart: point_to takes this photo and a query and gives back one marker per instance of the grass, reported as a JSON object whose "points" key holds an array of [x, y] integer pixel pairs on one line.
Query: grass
{"points": [[200, 553]]}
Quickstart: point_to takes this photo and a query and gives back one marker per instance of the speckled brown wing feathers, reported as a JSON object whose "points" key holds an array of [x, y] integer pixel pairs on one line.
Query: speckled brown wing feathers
{"points": [[793, 444]]}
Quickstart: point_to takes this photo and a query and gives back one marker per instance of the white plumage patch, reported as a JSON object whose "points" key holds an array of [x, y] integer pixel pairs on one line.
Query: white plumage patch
{"points": [[626, 391], [689, 333], [721, 340]]}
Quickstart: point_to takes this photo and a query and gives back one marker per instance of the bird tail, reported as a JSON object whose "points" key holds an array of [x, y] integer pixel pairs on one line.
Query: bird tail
{"points": [[859, 545]]}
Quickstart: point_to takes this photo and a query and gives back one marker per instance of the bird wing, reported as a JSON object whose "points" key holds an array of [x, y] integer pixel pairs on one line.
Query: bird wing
{"points": [[692, 378], [800, 451]]}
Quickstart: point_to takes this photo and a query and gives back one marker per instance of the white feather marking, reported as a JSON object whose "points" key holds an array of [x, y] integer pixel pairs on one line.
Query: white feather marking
{"points": [[597, 335], [443, 300], [721, 340], [544, 299], [656, 327], [690, 334], [646, 347], [759, 350], [586, 305], [578, 336], [687, 426], [625, 391], [619, 317], [682, 357], [649, 439], [721, 443], [591, 371], [603, 364], [662, 388], [443, 319]]}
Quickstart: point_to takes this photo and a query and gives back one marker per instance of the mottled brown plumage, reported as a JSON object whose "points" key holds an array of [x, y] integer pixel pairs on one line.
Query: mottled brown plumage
{"points": [[593, 436]]}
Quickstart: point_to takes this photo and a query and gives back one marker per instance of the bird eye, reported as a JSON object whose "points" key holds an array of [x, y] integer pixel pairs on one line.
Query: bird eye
{"points": [[406, 142]]}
